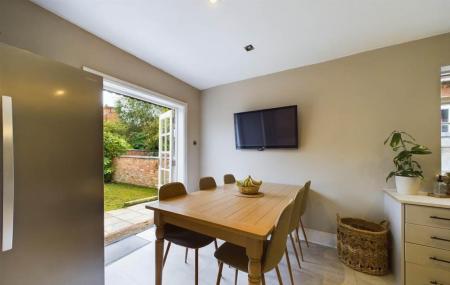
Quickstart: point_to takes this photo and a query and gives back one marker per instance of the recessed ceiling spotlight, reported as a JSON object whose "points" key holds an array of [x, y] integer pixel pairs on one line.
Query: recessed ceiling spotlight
{"points": [[213, 1], [249, 47]]}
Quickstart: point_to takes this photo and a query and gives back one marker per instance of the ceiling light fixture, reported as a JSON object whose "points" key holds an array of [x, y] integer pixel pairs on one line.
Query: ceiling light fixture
{"points": [[60, 92], [249, 47], [213, 1]]}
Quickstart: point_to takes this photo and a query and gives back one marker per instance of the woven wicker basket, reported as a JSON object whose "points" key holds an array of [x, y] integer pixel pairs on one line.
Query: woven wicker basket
{"points": [[363, 245]]}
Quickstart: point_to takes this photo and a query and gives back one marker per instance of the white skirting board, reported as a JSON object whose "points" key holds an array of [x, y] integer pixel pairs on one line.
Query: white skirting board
{"points": [[319, 237]]}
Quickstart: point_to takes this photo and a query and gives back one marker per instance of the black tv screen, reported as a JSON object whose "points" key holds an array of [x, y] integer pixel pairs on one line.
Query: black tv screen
{"points": [[269, 128]]}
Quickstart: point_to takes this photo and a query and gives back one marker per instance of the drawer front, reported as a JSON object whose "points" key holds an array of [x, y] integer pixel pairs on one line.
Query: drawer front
{"points": [[429, 216], [429, 236], [422, 275], [427, 256]]}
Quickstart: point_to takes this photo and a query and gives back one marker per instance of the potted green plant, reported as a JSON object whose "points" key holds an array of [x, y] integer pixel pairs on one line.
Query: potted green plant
{"points": [[408, 172]]}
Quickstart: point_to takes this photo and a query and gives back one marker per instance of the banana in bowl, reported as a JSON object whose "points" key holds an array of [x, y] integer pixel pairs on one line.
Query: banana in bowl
{"points": [[248, 186]]}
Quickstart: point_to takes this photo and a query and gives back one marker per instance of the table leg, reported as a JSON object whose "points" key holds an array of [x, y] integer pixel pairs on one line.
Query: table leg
{"points": [[159, 248], [254, 252]]}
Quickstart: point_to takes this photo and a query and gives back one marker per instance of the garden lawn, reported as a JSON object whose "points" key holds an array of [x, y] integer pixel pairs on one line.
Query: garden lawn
{"points": [[116, 194]]}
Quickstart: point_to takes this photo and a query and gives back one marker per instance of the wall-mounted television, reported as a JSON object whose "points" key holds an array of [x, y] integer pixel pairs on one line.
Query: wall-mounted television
{"points": [[268, 128]]}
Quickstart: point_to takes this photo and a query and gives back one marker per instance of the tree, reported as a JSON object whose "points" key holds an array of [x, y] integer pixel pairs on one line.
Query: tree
{"points": [[142, 122]]}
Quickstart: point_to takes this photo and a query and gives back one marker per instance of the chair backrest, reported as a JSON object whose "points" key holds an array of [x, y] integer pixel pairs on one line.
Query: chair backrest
{"points": [[295, 219], [229, 179], [305, 198], [207, 183], [277, 244], [171, 190]]}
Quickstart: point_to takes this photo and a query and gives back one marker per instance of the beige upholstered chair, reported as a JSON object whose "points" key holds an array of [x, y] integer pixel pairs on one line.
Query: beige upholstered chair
{"points": [[178, 235], [229, 179], [302, 212], [274, 249], [207, 183]]}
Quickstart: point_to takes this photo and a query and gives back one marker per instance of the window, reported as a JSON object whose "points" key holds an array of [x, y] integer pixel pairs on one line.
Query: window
{"points": [[445, 119]]}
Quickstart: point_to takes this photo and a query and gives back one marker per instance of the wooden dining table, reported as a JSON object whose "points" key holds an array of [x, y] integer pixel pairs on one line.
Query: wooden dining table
{"points": [[223, 214]]}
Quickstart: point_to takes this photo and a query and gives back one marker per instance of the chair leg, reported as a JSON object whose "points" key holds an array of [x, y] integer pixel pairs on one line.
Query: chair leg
{"points": [[295, 250], [186, 255], [304, 234], [279, 275], [219, 275], [196, 266], [235, 277], [263, 279], [289, 266], [215, 244], [166, 253], [299, 244]]}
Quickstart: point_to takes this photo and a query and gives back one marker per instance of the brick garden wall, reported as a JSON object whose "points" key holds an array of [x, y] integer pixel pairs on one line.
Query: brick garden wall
{"points": [[135, 168]]}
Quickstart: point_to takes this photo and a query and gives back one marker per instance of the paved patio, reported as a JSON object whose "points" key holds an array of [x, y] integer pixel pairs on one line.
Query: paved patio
{"points": [[125, 222]]}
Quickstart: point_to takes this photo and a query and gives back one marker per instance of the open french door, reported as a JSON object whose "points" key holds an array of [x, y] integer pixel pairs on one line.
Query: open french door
{"points": [[166, 147]]}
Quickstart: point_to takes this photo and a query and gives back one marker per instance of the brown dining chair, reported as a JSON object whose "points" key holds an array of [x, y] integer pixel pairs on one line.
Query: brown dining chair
{"points": [[274, 249], [177, 235], [302, 212], [229, 179], [292, 229], [207, 183]]}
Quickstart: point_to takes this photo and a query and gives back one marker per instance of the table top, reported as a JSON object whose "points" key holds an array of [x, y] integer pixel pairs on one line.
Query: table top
{"points": [[254, 217]]}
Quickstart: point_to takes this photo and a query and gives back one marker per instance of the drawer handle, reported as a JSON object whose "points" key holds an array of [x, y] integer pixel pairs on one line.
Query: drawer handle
{"points": [[438, 259], [441, 239], [434, 282], [439, 218]]}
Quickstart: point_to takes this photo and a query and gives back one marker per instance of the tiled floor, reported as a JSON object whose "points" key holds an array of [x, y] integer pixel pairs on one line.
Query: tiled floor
{"points": [[122, 220], [321, 267]]}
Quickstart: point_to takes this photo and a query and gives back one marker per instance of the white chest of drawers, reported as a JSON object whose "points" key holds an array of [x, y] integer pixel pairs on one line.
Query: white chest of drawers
{"points": [[420, 232]]}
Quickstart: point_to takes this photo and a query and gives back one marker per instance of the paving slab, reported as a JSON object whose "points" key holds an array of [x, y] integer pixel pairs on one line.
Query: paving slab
{"points": [[124, 222]]}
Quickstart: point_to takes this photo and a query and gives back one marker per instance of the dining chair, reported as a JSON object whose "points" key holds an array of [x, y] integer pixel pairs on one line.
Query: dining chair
{"points": [[229, 179], [181, 236], [207, 183], [274, 249], [302, 212], [292, 229]]}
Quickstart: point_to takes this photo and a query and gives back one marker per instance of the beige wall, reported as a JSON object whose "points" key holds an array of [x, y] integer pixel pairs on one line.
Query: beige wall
{"points": [[347, 108], [26, 25]]}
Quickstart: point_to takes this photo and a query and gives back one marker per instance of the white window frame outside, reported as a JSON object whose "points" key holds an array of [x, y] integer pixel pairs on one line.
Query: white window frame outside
{"points": [[180, 108]]}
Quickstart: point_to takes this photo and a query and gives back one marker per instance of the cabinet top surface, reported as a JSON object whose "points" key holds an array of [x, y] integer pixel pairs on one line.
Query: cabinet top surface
{"points": [[420, 199]]}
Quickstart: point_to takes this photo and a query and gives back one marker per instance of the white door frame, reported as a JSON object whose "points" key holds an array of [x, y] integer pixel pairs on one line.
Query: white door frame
{"points": [[180, 108]]}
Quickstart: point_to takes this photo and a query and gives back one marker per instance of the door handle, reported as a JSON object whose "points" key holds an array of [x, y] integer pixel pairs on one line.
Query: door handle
{"points": [[439, 218], [8, 174], [439, 259], [439, 238]]}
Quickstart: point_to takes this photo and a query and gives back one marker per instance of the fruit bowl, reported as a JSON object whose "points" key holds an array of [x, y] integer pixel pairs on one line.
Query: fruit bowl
{"points": [[252, 190], [248, 186]]}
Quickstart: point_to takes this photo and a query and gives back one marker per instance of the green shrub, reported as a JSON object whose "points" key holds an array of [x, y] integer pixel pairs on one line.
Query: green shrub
{"points": [[114, 145]]}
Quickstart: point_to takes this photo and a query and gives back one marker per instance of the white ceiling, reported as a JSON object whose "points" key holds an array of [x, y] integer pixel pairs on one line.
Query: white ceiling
{"points": [[203, 43]]}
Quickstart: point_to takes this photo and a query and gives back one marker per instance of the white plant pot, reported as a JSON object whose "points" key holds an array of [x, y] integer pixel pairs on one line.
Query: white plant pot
{"points": [[407, 185]]}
